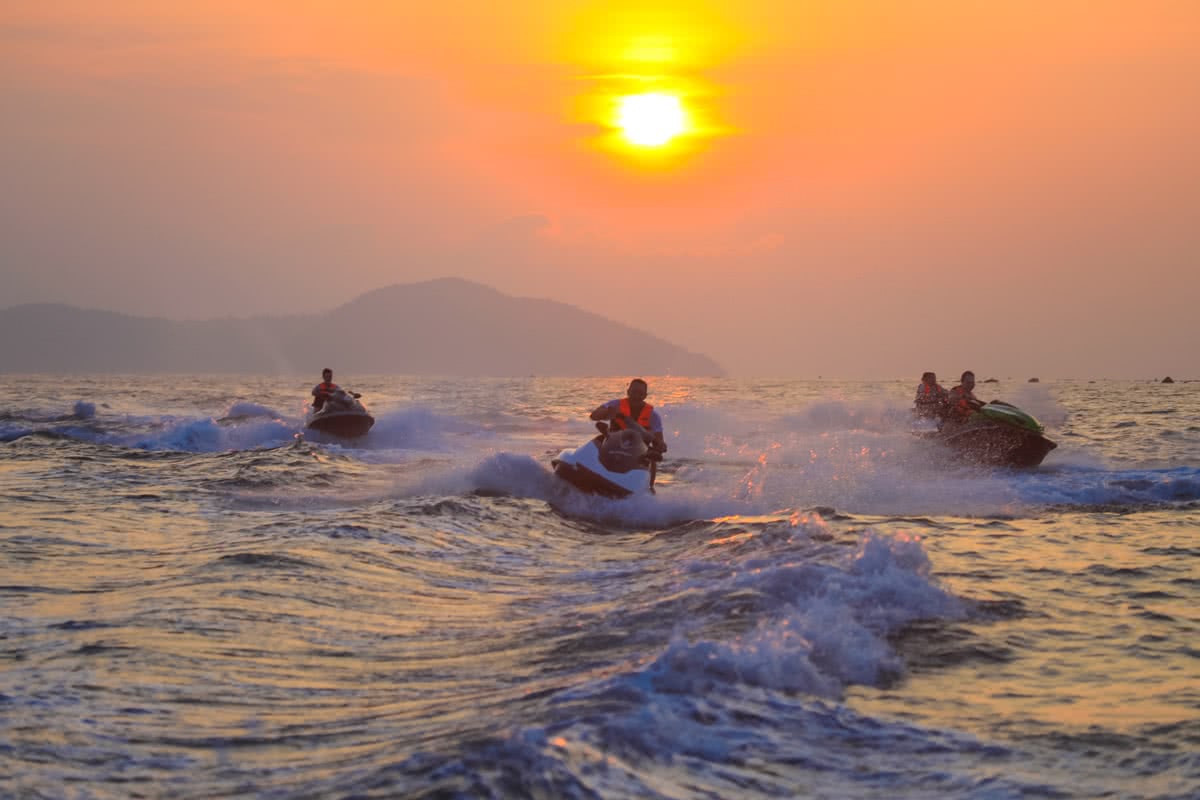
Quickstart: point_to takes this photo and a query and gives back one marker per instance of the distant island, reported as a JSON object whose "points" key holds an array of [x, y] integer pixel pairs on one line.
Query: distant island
{"points": [[447, 327]]}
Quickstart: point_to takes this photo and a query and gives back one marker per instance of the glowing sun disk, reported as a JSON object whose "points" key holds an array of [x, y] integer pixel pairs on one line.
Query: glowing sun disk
{"points": [[651, 119]]}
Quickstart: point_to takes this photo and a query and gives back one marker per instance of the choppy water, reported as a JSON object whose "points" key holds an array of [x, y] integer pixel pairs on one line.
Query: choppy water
{"points": [[197, 603]]}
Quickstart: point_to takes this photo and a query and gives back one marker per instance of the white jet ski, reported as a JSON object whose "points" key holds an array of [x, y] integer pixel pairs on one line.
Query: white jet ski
{"points": [[614, 464]]}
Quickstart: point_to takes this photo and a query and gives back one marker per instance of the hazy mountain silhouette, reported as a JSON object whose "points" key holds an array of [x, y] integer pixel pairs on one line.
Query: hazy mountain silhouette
{"points": [[441, 327]]}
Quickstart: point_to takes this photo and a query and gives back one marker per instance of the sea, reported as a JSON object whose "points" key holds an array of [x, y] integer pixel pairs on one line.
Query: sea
{"points": [[200, 599]]}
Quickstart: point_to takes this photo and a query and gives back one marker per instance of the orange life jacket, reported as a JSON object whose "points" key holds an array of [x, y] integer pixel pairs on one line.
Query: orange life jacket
{"points": [[643, 418], [931, 400], [928, 389], [319, 393], [960, 401]]}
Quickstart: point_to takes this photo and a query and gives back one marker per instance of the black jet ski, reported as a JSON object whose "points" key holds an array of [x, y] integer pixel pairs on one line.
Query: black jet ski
{"points": [[342, 415], [614, 464], [997, 434]]}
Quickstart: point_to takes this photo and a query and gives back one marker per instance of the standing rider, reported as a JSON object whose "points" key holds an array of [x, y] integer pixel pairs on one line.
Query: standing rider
{"points": [[634, 407], [323, 390], [962, 398]]}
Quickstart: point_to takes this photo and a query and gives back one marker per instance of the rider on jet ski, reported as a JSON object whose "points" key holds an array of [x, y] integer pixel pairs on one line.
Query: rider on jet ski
{"points": [[962, 400], [323, 390], [633, 407], [931, 398]]}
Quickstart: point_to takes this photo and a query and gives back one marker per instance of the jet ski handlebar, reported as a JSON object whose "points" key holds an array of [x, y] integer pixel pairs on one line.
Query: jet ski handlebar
{"points": [[634, 425]]}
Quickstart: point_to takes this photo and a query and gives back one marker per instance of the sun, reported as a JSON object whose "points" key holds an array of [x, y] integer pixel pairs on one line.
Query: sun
{"points": [[651, 119]]}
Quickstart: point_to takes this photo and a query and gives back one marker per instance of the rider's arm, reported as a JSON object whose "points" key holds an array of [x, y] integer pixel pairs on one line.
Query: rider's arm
{"points": [[656, 430], [603, 412]]}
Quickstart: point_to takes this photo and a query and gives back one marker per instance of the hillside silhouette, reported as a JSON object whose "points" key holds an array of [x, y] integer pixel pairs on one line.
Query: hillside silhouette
{"points": [[448, 327]]}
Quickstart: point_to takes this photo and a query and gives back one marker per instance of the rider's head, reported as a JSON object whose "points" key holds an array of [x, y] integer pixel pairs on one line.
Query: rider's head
{"points": [[968, 379], [929, 377], [327, 374], [637, 390]]}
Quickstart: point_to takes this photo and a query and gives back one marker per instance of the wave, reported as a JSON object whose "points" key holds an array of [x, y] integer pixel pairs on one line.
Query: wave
{"points": [[856, 457], [714, 698]]}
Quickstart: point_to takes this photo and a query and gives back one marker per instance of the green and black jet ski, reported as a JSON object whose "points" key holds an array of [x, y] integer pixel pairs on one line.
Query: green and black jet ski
{"points": [[997, 434]]}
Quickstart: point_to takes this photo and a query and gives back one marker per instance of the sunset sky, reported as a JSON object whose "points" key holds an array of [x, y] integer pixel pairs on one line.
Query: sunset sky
{"points": [[849, 189]]}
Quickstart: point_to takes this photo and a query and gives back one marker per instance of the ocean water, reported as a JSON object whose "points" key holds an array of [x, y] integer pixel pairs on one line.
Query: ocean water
{"points": [[200, 602]]}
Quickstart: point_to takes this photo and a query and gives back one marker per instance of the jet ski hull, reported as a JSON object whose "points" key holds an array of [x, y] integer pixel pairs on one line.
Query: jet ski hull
{"points": [[996, 444], [344, 424], [997, 434], [582, 469]]}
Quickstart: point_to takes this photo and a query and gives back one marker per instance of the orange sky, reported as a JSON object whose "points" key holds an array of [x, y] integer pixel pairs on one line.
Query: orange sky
{"points": [[867, 188]]}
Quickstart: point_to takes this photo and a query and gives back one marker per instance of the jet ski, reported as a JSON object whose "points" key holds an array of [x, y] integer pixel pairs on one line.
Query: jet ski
{"points": [[342, 415], [997, 434], [614, 464]]}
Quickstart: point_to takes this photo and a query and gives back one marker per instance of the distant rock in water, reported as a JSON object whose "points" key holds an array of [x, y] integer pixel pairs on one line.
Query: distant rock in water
{"points": [[1033, 380], [992, 380], [1168, 379], [447, 327]]}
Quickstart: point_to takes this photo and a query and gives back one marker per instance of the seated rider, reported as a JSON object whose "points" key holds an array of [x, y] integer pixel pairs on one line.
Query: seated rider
{"points": [[962, 398], [931, 398], [634, 407], [323, 390]]}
